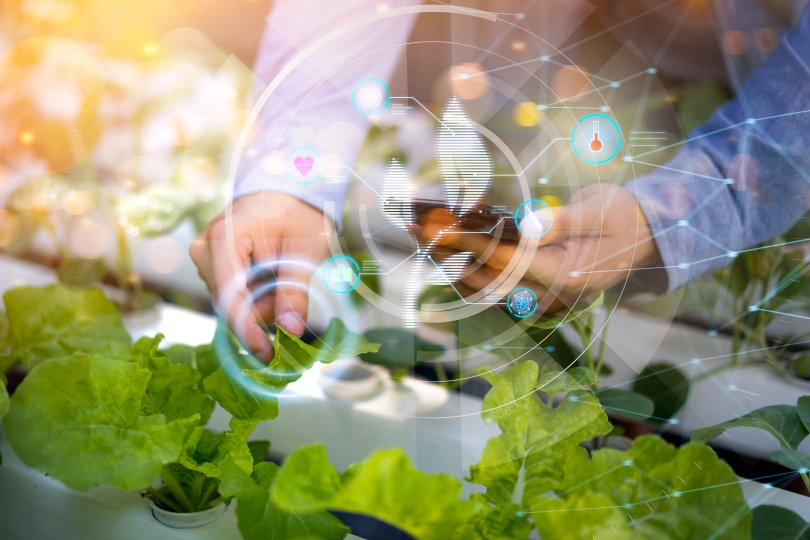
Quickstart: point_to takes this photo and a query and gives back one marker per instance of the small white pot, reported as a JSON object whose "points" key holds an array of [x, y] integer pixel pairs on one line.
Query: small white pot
{"points": [[187, 520]]}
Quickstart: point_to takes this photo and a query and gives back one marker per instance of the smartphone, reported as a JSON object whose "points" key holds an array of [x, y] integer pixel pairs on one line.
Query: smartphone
{"points": [[481, 218]]}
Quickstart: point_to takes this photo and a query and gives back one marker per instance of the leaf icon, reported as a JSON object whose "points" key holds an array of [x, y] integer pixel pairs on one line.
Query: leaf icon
{"points": [[463, 158], [396, 196]]}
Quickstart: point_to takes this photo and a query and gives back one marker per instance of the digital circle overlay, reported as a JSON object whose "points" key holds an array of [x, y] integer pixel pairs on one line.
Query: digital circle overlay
{"points": [[521, 302], [341, 274], [304, 165], [527, 221], [370, 96], [596, 138]]}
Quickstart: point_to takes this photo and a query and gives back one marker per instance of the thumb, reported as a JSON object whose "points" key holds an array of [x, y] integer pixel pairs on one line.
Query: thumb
{"points": [[555, 224]]}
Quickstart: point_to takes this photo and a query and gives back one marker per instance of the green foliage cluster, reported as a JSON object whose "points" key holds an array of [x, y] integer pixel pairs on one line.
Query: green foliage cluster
{"points": [[127, 412]]}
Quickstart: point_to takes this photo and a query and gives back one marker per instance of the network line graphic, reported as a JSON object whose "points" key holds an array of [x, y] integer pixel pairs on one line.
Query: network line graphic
{"points": [[586, 125]]}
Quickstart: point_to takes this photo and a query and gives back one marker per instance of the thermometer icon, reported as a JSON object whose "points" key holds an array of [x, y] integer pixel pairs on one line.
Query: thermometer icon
{"points": [[596, 144]]}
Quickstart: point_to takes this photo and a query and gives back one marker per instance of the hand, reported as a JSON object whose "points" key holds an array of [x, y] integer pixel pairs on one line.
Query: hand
{"points": [[262, 228], [594, 242]]}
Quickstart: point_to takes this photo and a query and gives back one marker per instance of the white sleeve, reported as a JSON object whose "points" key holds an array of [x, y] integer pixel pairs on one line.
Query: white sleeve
{"points": [[312, 107]]}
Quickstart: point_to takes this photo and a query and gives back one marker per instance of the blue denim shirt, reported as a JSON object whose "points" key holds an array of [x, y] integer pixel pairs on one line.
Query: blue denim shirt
{"points": [[744, 176]]}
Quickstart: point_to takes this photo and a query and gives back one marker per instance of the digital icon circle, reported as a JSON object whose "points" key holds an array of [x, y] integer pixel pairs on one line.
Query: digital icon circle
{"points": [[529, 223], [341, 274], [304, 165], [596, 138], [370, 96], [521, 302]]}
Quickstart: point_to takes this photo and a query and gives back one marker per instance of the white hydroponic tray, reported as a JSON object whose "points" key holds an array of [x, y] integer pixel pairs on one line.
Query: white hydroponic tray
{"points": [[440, 431]]}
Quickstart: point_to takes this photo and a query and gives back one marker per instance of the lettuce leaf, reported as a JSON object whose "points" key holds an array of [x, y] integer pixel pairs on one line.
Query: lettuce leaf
{"points": [[250, 394], [54, 321], [82, 420], [174, 389], [653, 490], [527, 458], [7, 358], [260, 518], [205, 452], [385, 486]]}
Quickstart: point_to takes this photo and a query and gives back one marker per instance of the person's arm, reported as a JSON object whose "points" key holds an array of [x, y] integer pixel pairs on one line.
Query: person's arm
{"points": [[743, 177], [312, 107], [274, 220]]}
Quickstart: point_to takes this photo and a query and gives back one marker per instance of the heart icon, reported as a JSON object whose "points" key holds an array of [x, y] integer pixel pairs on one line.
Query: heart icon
{"points": [[304, 164]]}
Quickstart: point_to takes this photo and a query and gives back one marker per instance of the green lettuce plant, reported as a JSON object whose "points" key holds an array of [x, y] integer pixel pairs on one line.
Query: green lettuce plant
{"points": [[536, 476], [127, 412]]}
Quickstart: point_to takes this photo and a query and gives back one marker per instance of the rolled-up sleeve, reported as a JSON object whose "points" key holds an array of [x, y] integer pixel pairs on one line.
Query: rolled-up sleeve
{"points": [[743, 177]]}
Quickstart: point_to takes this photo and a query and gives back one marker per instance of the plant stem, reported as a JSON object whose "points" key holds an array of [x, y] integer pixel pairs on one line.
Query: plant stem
{"points": [[176, 489], [162, 499]]}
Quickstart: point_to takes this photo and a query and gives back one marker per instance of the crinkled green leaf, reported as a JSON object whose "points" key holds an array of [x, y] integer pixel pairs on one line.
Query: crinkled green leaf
{"points": [[652, 491], [205, 451], [772, 522], [174, 390], [201, 358], [53, 321], [552, 379], [245, 405], [781, 421], [90, 428], [502, 522], [399, 348], [625, 403], [527, 458], [583, 516], [666, 386], [260, 518], [385, 486]]}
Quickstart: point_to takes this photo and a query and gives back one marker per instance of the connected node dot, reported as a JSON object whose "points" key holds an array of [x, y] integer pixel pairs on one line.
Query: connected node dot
{"points": [[520, 16], [652, 71], [574, 273], [542, 181], [732, 387], [751, 121], [628, 462], [627, 158], [628, 506], [604, 108], [695, 361], [731, 254], [542, 107], [573, 398], [712, 333], [615, 84], [803, 470], [729, 181], [683, 223], [767, 486], [550, 348], [676, 494], [544, 58], [672, 421], [753, 308], [520, 514], [683, 266]]}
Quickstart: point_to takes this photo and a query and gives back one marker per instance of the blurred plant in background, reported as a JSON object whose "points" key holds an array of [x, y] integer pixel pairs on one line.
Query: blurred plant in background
{"points": [[105, 139]]}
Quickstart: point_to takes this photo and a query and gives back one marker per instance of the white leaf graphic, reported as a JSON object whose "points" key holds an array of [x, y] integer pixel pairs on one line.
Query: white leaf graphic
{"points": [[396, 201], [450, 270], [463, 157]]}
